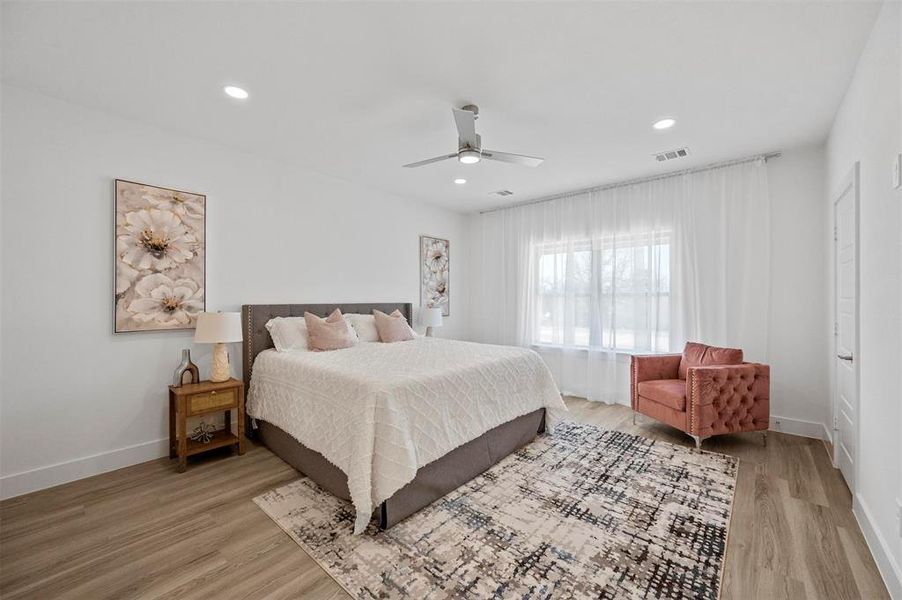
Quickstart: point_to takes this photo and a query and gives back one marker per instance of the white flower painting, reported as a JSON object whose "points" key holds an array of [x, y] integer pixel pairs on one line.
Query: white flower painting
{"points": [[160, 257], [434, 273]]}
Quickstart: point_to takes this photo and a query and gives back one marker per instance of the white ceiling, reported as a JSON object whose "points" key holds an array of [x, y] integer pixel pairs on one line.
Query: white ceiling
{"points": [[357, 90]]}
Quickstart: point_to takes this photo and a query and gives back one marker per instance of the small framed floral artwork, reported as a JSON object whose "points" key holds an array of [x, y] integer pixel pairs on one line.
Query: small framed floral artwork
{"points": [[160, 257], [435, 263]]}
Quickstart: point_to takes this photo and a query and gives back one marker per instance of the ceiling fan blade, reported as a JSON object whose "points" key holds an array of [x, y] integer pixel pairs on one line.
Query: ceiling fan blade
{"points": [[429, 161], [466, 127], [517, 159]]}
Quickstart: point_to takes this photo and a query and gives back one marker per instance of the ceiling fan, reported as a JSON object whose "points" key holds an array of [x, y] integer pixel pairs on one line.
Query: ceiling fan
{"points": [[469, 144]]}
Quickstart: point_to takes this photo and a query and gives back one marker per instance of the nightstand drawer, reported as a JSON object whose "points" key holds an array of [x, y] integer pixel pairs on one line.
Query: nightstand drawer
{"points": [[210, 401]]}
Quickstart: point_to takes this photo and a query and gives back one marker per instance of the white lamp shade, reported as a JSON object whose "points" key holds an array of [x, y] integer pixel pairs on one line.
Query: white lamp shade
{"points": [[215, 328], [432, 317]]}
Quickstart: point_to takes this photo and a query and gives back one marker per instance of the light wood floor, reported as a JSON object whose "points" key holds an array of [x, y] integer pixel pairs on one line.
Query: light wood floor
{"points": [[149, 532]]}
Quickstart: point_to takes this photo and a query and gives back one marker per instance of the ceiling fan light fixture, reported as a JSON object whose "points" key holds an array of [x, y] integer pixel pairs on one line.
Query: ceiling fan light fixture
{"points": [[666, 123], [468, 157], [469, 145], [460, 181]]}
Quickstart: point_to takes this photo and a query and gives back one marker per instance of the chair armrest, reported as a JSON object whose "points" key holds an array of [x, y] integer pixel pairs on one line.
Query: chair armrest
{"points": [[730, 388], [649, 367]]}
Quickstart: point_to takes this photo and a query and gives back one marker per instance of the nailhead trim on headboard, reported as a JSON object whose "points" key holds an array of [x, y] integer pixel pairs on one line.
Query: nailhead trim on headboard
{"points": [[247, 344]]}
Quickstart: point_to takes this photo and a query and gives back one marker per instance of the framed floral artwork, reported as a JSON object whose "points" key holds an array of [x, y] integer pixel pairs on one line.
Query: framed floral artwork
{"points": [[160, 257], [435, 261]]}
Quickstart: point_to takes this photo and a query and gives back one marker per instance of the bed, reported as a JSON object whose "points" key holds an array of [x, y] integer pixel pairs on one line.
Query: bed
{"points": [[392, 427]]}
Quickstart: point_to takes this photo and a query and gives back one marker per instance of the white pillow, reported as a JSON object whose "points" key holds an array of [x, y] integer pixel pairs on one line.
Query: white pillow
{"points": [[364, 326], [290, 333]]}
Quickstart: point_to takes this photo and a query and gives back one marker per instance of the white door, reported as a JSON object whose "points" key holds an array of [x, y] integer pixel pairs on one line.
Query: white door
{"points": [[845, 290]]}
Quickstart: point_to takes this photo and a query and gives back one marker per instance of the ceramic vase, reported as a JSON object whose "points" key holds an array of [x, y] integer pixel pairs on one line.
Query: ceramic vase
{"points": [[186, 367]]}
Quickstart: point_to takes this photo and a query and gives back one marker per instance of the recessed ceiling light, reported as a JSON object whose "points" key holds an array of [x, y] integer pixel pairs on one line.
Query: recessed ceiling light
{"points": [[460, 181], [664, 123], [235, 92]]}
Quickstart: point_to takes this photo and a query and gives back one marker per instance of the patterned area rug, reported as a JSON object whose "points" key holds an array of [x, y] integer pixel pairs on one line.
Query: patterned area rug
{"points": [[583, 513]]}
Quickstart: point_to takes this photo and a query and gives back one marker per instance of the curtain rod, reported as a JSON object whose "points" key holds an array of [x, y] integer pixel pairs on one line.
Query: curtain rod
{"points": [[610, 186]]}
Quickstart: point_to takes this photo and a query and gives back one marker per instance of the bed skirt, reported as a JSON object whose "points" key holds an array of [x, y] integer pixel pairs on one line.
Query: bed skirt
{"points": [[431, 482]]}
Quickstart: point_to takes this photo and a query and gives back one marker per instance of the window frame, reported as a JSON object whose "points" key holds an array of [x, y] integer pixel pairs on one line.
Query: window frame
{"points": [[648, 241]]}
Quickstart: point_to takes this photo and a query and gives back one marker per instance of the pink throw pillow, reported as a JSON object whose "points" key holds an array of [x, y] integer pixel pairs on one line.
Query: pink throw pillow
{"points": [[701, 355], [393, 327], [331, 333]]}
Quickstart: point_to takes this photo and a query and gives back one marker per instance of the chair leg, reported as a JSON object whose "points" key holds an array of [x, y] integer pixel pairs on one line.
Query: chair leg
{"points": [[764, 438], [634, 417], [698, 441]]}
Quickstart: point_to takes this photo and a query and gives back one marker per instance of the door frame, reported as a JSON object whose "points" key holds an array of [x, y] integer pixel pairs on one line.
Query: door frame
{"points": [[850, 181]]}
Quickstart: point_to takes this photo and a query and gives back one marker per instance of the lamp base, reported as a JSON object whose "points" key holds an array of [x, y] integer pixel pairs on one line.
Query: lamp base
{"points": [[220, 371], [430, 331]]}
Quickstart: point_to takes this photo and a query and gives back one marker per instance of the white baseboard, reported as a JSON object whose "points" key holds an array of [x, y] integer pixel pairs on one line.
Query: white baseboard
{"points": [[809, 429], [41, 478], [887, 565], [827, 436]]}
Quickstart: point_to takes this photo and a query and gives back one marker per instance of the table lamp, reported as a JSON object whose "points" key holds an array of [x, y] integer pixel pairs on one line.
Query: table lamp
{"points": [[218, 329]]}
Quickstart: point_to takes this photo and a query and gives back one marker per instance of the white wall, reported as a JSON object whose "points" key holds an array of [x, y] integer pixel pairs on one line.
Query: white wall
{"points": [[868, 128], [77, 399], [798, 341]]}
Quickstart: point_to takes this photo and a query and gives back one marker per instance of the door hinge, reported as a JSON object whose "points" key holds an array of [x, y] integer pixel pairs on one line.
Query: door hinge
{"points": [[835, 234], [835, 424], [835, 328]]}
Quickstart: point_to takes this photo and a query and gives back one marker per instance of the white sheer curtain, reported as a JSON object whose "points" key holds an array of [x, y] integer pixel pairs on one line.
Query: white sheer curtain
{"points": [[590, 278]]}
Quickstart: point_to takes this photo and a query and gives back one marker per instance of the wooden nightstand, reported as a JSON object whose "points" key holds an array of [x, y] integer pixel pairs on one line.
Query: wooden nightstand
{"points": [[193, 399]]}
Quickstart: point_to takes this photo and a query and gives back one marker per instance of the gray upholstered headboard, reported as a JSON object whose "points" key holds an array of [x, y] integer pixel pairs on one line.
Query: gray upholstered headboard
{"points": [[255, 316]]}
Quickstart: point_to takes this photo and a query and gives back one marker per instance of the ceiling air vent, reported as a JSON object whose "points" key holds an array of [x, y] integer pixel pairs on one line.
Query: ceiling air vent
{"points": [[502, 193], [671, 154]]}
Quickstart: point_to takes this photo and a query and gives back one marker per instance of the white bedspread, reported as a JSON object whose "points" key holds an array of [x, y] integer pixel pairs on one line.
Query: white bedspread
{"points": [[379, 411]]}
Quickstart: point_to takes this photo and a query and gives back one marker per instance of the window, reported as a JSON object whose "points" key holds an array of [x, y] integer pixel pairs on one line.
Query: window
{"points": [[608, 293]]}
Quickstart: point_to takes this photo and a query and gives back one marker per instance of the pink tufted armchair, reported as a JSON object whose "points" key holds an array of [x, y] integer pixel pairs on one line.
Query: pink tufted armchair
{"points": [[704, 391]]}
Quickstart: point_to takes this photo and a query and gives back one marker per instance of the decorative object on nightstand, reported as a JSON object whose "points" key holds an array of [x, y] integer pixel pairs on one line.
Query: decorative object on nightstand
{"points": [[203, 433], [204, 398], [432, 317], [186, 367], [218, 329]]}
